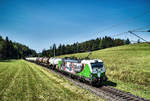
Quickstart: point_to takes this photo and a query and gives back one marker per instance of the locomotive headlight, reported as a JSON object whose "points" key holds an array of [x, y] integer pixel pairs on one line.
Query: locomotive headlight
{"points": [[91, 75], [98, 74]]}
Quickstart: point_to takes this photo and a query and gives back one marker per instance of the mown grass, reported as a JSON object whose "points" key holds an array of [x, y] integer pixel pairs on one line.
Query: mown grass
{"points": [[128, 66], [24, 81]]}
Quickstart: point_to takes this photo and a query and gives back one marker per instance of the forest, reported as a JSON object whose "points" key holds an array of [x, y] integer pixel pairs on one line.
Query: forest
{"points": [[14, 50], [90, 45]]}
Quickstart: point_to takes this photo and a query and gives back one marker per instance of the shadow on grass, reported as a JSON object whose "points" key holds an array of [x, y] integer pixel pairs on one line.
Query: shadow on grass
{"points": [[109, 83], [7, 60]]}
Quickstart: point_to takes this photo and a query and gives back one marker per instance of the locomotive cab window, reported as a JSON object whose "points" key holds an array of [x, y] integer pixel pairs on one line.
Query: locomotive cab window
{"points": [[97, 65]]}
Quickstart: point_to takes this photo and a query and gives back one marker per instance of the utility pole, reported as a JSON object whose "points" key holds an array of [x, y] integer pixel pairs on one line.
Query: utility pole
{"points": [[77, 48], [54, 51], [100, 46]]}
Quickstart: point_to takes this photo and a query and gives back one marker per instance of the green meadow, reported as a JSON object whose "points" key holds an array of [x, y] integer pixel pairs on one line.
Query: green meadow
{"points": [[128, 66], [24, 81]]}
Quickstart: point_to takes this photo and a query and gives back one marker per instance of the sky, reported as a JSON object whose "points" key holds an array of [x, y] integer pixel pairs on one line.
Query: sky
{"points": [[41, 23]]}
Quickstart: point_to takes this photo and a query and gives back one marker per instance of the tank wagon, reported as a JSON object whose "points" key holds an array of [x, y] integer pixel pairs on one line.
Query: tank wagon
{"points": [[45, 61], [92, 71], [32, 59]]}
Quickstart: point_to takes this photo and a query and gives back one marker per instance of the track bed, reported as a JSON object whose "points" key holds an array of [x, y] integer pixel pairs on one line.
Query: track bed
{"points": [[107, 92]]}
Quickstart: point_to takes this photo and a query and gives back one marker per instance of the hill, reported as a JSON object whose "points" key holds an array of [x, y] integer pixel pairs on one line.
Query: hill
{"points": [[89, 45], [14, 50], [24, 81], [128, 66]]}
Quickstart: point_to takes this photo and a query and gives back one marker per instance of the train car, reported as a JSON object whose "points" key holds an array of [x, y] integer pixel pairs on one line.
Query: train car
{"points": [[32, 59], [54, 62], [27, 58], [46, 60], [37, 60], [40, 59]]}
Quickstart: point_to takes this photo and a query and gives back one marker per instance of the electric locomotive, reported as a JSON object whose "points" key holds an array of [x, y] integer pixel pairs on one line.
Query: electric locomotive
{"points": [[92, 71]]}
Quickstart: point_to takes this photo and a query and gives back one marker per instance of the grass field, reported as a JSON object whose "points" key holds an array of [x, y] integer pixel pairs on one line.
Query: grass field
{"points": [[24, 81], [128, 66]]}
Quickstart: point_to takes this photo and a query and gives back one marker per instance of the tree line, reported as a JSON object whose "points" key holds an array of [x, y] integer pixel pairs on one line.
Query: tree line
{"points": [[90, 45], [14, 50]]}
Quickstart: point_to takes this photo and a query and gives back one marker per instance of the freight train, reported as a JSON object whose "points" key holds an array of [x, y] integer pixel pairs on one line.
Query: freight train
{"points": [[86, 70]]}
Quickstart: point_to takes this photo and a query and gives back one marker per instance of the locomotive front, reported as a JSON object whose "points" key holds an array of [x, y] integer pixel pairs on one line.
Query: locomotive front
{"points": [[98, 70]]}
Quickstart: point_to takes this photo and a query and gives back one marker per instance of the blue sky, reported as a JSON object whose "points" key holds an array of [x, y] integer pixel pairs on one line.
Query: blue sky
{"points": [[40, 23]]}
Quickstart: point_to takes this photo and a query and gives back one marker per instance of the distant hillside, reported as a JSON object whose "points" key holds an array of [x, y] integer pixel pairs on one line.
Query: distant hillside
{"points": [[128, 66], [14, 50], [89, 45]]}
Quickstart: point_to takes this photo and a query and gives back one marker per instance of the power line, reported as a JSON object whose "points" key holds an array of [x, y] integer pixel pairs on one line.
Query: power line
{"points": [[141, 31], [128, 20], [135, 30], [119, 34], [147, 26], [147, 12], [131, 32]]}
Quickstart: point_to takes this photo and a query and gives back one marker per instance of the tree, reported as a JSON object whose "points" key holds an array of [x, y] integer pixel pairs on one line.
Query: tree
{"points": [[90, 45], [54, 49], [101, 44], [63, 49], [1, 47], [44, 53], [13, 50], [59, 50], [127, 41]]}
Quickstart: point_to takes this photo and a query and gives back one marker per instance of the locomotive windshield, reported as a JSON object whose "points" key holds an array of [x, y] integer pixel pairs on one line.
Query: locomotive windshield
{"points": [[97, 65]]}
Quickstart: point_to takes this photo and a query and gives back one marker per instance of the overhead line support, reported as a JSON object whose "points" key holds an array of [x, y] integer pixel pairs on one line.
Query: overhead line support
{"points": [[137, 36]]}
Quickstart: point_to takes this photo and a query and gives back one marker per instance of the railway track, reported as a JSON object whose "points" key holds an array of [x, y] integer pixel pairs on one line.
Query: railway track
{"points": [[106, 92]]}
